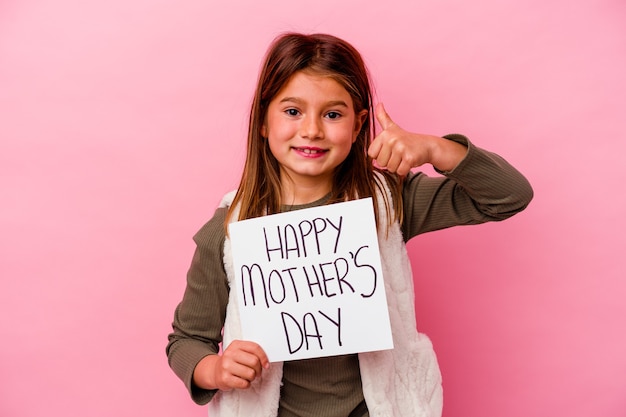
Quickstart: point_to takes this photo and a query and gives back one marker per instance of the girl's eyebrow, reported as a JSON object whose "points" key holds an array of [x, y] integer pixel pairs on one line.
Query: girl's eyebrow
{"points": [[297, 100]]}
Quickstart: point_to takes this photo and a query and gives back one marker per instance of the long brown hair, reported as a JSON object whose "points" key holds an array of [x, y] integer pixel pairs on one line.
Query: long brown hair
{"points": [[259, 192]]}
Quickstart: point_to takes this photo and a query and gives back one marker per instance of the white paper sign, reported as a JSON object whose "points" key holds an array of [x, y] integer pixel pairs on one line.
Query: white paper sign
{"points": [[309, 282]]}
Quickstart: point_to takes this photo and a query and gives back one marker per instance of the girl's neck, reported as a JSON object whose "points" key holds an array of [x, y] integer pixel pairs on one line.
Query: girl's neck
{"points": [[303, 193]]}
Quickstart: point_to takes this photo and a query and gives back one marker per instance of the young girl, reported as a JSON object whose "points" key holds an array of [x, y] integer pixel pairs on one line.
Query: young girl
{"points": [[311, 142]]}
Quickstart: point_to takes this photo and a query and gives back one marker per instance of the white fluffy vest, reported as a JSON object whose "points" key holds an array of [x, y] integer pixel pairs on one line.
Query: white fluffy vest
{"points": [[402, 382]]}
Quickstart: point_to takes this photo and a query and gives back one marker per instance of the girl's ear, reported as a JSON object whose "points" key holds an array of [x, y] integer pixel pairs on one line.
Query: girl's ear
{"points": [[264, 131], [358, 123]]}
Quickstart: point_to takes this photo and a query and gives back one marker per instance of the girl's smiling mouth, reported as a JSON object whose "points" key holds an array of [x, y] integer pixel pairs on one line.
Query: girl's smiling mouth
{"points": [[309, 152]]}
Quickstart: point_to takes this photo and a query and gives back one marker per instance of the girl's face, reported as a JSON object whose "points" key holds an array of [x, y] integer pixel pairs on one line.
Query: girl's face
{"points": [[311, 126]]}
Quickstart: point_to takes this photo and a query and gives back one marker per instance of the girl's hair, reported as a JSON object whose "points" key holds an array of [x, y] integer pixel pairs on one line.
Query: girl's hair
{"points": [[259, 192]]}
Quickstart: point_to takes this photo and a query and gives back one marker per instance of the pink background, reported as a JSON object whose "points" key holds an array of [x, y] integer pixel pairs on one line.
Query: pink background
{"points": [[122, 123]]}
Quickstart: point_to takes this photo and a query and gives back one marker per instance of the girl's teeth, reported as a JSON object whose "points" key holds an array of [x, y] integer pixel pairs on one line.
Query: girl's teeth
{"points": [[309, 151]]}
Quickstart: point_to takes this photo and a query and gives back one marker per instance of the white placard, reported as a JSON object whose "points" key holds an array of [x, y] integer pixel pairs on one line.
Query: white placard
{"points": [[309, 282]]}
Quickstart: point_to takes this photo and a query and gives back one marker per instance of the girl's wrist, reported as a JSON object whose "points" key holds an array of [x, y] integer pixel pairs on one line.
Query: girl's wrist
{"points": [[445, 154], [203, 374]]}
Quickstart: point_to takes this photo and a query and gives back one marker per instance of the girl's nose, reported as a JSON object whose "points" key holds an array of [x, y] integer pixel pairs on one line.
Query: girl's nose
{"points": [[311, 128]]}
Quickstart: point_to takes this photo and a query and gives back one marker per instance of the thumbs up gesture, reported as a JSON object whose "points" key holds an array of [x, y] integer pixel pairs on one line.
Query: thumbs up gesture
{"points": [[399, 151]]}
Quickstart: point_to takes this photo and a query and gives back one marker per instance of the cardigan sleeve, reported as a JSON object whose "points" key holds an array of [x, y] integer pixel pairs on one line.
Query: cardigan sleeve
{"points": [[199, 318], [483, 187]]}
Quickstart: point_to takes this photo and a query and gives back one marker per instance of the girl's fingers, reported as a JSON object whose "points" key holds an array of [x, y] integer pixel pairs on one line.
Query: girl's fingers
{"points": [[382, 147], [242, 363], [256, 351], [396, 149]]}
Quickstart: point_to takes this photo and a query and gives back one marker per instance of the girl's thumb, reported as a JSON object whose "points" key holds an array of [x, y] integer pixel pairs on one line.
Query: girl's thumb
{"points": [[383, 118]]}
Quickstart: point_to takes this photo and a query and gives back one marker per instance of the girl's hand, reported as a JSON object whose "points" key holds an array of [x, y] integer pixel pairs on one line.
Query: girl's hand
{"points": [[399, 151], [240, 364]]}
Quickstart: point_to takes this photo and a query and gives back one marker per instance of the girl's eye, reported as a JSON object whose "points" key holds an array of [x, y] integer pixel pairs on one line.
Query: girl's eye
{"points": [[333, 115], [292, 112]]}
